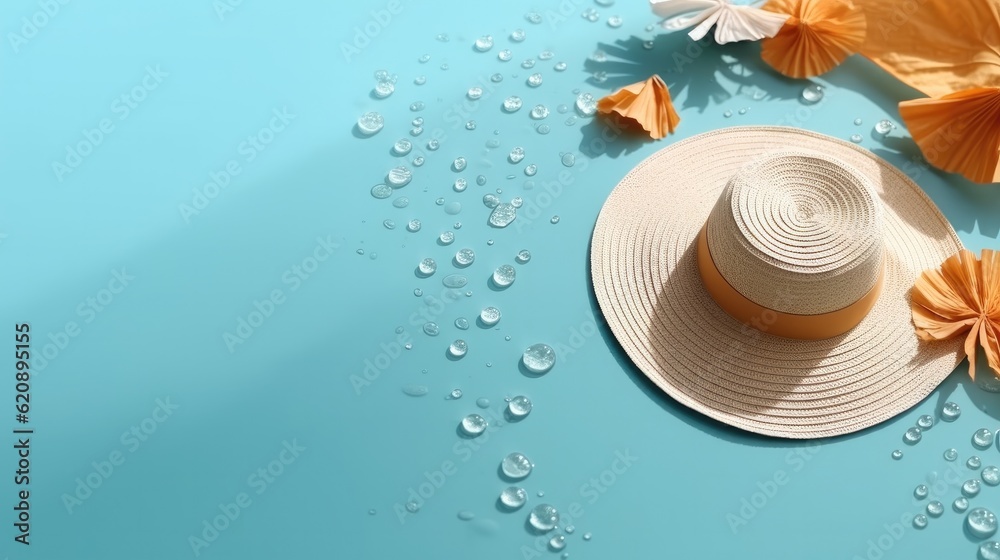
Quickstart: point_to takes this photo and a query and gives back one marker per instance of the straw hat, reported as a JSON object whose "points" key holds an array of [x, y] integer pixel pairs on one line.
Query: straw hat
{"points": [[761, 276]]}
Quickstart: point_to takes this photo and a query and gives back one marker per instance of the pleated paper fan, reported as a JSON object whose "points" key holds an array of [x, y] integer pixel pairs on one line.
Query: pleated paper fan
{"points": [[647, 103], [818, 35], [732, 22], [959, 132]]}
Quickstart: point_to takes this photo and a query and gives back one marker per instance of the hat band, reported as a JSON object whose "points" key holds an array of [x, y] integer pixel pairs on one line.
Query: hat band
{"points": [[789, 325]]}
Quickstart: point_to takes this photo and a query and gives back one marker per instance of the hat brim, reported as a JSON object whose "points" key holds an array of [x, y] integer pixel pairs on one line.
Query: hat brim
{"points": [[645, 276]]}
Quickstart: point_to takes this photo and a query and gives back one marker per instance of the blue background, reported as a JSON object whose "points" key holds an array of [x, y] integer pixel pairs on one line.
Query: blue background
{"points": [[218, 77]]}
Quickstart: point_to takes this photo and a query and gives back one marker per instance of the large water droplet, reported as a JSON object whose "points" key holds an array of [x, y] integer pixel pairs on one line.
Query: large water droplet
{"points": [[446, 237], [982, 523], [812, 93], [465, 257], [897, 454], [557, 542], [925, 422], [544, 517], [523, 256], [474, 424], [971, 488], [951, 454], [534, 80], [401, 202], [989, 550], [455, 394], [516, 154], [960, 504], [920, 521], [513, 497], [370, 123], [512, 104], [415, 390], [427, 266], [539, 112], [518, 35], [950, 412], [912, 435], [920, 492], [982, 438], [491, 200], [519, 406], [399, 176], [458, 348], [454, 281], [568, 159], [586, 104], [431, 328], [991, 475], [384, 89], [412, 506], [935, 508], [503, 215], [413, 226], [856, 138], [489, 316], [504, 275], [381, 191], [516, 466], [614, 22], [459, 164], [452, 208], [974, 462], [530, 170], [883, 127], [539, 358], [402, 147]]}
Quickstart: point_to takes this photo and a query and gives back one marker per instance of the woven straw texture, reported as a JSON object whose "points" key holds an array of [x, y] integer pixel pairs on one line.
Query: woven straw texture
{"points": [[645, 276]]}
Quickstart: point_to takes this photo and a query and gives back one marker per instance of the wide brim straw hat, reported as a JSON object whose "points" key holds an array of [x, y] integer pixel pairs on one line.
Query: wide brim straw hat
{"points": [[800, 220]]}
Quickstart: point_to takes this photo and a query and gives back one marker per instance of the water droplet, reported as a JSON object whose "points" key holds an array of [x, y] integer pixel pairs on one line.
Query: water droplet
{"points": [[431, 328], [417, 106], [554, 220], [539, 358], [399, 177], [402, 147], [484, 43], [466, 515], [568, 159], [615, 22], [523, 256], [460, 184], [416, 131], [415, 390], [413, 226], [370, 123], [912, 435], [960, 504], [518, 35], [516, 466], [513, 497], [991, 475], [453, 208], [480, 180], [586, 104], [519, 406], [743, 110], [897, 454], [648, 45], [418, 292], [446, 237], [883, 127], [558, 542], [496, 78], [455, 281], [516, 154], [982, 438], [982, 523], [812, 93], [512, 104], [458, 225], [544, 517], [412, 506], [727, 114], [950, 412], [516, 202], [505, 55], [920, 521], [539, 112], [474, 424], [989, 550], [925, 422], [951, 454], [587, 536], [465, 257], [401, 202], [471, 125], [389, 224], [560, 67], [971, 488], [455, 393], [381, 191], [920, 492], [504, 275], [373, 256], [489, 316], [571, 120], [503, 215], [527, 64], [384, 89], [420, 80], [856, 138], [858, 121], [474, 92], [424, 58], [534, 80], [491, 200], [372, 511], [935, 508], [427, 266], [530, 170], [974, 462]]}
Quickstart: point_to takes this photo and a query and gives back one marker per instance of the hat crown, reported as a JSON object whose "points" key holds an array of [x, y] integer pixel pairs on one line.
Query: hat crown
{"points": [[798, 233]]}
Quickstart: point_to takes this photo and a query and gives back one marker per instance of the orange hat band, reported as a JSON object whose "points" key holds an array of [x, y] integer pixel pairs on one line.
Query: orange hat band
{"points": [[803, 327]]}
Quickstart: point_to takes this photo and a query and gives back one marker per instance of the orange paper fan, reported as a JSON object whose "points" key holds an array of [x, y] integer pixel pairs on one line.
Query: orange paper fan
{"points": [[647, 103], [818, 36], [959, 132]]}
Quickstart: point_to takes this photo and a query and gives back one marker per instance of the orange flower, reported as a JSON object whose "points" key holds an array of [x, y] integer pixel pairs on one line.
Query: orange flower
{"points": [[962, 297], [818, 36], [648, 103], [959, 132]]}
